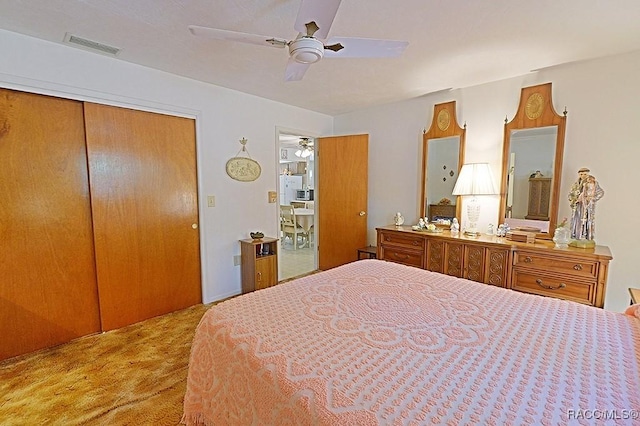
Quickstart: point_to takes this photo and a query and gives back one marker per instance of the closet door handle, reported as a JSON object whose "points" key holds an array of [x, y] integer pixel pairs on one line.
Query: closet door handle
{"points": [[194, 226]]}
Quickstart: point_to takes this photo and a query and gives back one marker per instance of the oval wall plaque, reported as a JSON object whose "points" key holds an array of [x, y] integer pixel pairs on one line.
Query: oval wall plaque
{"points": [[243, 169]]}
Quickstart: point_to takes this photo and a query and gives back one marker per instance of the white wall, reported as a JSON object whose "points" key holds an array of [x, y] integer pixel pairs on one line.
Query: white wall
{"points": [[223, 117], [602, 128], [602, 133]]}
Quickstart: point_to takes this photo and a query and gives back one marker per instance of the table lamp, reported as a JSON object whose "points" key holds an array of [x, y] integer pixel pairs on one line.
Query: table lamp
{"points": [[474, 179]]}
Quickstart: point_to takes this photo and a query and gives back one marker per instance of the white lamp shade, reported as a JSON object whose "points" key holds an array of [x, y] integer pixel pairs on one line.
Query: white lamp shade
{"points": [[475, 179]]}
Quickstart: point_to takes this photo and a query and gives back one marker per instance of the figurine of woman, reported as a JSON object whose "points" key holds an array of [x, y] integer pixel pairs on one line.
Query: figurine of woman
{"points": [[455, 226], [584, 194], [398, 219]]}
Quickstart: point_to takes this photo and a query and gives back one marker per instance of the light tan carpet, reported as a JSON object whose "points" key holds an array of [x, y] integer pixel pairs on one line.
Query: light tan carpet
{"points": [[132, 376]]}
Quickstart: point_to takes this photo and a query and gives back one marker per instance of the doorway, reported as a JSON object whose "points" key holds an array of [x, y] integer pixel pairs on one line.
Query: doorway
{"points": [[296, 198]]}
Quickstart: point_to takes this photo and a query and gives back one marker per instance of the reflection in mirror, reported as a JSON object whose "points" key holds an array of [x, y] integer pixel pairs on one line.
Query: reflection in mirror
{"points": [[530, 175], [532, 163], [442, 158], [442, 172]]}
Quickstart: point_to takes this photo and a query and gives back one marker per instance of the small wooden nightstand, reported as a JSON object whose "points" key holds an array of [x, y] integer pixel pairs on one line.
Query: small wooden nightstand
{"points": [[259, 259], [635, 295], [370, 252]]}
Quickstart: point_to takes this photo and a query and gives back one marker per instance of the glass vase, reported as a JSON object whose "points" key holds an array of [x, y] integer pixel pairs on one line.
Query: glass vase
{"points": [[562, 237]]}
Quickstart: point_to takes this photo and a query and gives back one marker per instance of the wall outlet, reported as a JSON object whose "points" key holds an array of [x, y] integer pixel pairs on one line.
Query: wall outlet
{"points": [[236, 260], [211, 201]]}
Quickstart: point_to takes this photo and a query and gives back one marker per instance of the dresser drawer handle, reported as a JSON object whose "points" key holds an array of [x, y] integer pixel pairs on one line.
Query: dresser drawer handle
{"points": [[550, 287], [404, 257], [416, 243], [387, 238], [577, 267], [528, 259]]}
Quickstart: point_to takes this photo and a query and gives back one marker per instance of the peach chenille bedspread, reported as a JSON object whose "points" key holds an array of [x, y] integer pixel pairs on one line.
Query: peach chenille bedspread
{"points": [[377, 343]]}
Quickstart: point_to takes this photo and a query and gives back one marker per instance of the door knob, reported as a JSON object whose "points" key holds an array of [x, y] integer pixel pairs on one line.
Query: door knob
{"points": [[194, 226], [362, 213]]}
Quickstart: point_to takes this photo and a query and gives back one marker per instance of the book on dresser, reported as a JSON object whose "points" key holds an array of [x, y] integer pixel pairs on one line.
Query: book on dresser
{"points": [[538, 268]]}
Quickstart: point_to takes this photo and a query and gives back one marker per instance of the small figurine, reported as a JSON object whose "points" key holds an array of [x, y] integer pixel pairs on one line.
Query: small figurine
{"points": [[490, 229], [503, 228], [398, 219], [455, 226]]}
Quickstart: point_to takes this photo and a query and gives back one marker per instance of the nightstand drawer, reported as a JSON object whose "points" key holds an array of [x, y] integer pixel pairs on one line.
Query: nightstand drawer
{"points": [[554, 286], [402, 255], [406, 240], [575, 267]]}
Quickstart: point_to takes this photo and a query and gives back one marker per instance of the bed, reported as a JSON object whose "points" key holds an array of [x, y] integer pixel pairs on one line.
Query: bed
{"points": [[378, 343]]}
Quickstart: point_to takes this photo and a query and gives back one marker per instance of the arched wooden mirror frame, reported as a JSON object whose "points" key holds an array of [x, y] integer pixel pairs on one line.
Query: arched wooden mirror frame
{"points": [[443, 125], [535, 110]]}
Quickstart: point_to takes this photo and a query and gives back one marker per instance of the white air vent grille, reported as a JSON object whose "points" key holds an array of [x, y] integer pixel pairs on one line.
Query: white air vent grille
{"points": [[91, 45]]}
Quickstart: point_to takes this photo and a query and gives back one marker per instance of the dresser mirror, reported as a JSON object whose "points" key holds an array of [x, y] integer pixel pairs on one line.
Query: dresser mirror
{"points": [[532, 163], [442, 159]]}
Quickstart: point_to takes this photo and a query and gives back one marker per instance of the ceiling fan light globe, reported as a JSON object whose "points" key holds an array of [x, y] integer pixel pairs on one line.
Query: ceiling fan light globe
{"points": [[306, 153], [306, 50], [299, 153]]}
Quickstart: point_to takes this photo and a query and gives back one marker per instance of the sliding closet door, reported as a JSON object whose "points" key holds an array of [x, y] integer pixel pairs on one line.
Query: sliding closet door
{"points": [[48, 292], [142, 169]]}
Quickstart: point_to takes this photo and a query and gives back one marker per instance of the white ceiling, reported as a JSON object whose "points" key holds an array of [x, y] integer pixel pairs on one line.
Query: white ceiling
{"points": [[452, 43]]}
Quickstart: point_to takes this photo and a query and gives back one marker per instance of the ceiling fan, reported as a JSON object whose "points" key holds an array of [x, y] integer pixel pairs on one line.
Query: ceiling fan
{"points": [[306, 148], [313, 23]]}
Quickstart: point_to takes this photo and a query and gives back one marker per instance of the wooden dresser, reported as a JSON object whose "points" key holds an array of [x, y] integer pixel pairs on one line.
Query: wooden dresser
{"points": [[539, 198], [540, 268], [441, 211]]}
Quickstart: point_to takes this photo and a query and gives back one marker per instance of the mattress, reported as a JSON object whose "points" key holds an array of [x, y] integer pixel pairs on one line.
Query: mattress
{"points": [[378, 343]]}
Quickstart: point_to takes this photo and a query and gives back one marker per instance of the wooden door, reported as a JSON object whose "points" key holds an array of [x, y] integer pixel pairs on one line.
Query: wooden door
{"points": [[142, 169], [341, 198], [48, 292]]}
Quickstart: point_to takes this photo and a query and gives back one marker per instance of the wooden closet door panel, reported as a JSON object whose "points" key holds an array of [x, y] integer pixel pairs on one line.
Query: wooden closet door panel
{"points": [[142, 169], [48, 292]]}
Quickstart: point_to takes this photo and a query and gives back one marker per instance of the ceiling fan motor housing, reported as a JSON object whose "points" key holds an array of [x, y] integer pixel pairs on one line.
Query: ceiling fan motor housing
{"points": [[306, 50]]}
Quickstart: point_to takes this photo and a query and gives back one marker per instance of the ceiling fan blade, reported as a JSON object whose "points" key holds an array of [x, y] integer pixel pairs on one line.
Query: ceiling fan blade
{"points": [[320, 12], [295, 70], [237, 36], [365, 48], [334, 47], [312, 28]]}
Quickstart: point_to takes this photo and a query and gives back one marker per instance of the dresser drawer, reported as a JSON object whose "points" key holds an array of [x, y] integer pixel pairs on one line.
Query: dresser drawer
{"points": [[406, 240], [557, 263], [402, 255], [563, 287]]}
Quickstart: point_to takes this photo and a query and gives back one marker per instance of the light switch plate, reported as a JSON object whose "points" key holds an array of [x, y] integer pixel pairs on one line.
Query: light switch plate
{"points": [[272, 196], [211, 201]]}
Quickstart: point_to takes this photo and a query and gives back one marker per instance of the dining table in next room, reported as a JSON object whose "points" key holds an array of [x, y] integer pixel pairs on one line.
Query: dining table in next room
{"points": [[304, 217]]}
